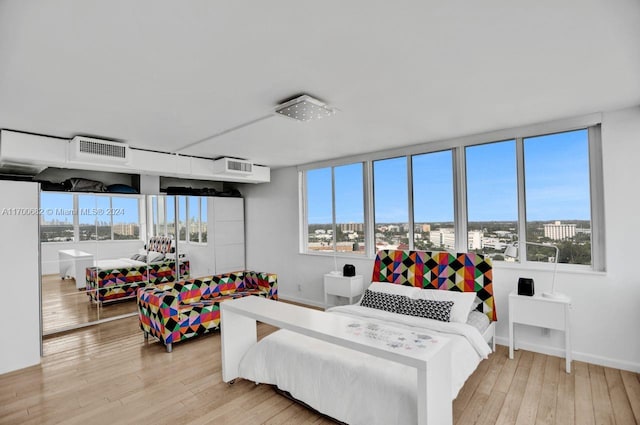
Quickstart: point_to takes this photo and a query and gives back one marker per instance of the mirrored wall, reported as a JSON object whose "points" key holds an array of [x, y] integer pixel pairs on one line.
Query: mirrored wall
{"points": [[97, 249]]}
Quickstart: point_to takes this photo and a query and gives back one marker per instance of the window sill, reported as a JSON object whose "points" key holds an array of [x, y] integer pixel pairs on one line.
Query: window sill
{"points": [[562, 268]]}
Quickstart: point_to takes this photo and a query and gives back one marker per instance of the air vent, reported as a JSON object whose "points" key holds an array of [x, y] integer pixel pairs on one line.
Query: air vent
{"points": [[232, 166], [86, 149]]}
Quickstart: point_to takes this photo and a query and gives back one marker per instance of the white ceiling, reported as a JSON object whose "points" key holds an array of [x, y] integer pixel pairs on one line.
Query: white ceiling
{"points": [[165, 74]]}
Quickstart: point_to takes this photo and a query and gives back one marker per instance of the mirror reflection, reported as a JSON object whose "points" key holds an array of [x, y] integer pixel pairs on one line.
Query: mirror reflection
{"points": [[97, 249]]}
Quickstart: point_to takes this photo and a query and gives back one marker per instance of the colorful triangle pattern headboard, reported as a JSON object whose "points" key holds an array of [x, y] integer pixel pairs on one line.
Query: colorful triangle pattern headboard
{"points": [[465, 272]]}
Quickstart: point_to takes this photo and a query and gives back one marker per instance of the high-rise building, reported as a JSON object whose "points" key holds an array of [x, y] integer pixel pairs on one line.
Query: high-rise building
{"points": [[559, 231]]}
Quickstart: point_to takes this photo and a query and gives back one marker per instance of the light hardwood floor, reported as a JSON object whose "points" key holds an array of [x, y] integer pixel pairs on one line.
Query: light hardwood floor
{"points": [[64, 306], [108, 375]]}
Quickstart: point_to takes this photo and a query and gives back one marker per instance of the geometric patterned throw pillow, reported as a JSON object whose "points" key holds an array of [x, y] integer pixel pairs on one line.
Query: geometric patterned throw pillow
{"points": [[438, 310], [381, 300]]}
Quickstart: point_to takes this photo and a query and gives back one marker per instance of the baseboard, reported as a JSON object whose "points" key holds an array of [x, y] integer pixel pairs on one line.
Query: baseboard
{"points": [[582, 357], [300, 300]]}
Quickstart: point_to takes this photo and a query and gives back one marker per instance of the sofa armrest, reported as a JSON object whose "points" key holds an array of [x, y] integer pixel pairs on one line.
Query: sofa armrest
{"points": [[158, 312], [266, 283]]}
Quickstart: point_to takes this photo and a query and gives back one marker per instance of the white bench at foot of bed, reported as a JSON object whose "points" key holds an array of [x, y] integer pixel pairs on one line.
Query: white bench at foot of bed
{"points": [[433, 363]]}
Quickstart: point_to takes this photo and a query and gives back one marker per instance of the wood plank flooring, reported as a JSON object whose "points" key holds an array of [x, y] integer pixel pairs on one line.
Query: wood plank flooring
{"points": [[107, 374], [65, 306]]}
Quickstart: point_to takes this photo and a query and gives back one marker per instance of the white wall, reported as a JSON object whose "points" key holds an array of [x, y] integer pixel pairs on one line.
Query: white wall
{"points": [[606, 306]]}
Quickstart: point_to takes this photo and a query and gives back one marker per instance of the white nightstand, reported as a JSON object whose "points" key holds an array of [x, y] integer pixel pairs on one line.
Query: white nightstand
{"points": [[543, 312], [344, 286]]}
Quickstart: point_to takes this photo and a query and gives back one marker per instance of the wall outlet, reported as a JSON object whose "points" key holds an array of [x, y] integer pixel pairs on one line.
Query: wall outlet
{"points": [[299, 288], [546, 332]]}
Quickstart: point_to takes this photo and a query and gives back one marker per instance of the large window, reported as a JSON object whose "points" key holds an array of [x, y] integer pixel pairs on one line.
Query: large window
{"points": [[192, 217], [335, 209], [558, 204], [434, 226], [492, 197], [544, 187], [391, 199], [56, 221], [89, 216]]}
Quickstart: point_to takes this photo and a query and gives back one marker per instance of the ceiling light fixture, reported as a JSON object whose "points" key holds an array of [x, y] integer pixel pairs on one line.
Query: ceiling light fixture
{"points": [[305, 108]]}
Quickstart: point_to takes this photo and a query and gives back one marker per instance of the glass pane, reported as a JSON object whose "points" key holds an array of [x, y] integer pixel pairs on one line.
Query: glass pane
{"points": [[349, 197], [391, 203], [155, 218], [194, 218], [433, 201], [492, 197], [203, 219], [170, 216], [126, 218], [558, 205], [182, 217], [94, 217], [319, 210], [56, 223]]}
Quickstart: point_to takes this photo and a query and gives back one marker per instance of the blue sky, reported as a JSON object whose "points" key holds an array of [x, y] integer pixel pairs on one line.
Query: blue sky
{"points": [[556, 183]]}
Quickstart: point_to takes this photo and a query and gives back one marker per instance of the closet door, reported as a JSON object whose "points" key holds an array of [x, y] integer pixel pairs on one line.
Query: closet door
{"points": [[228, 234], [20, 285]]}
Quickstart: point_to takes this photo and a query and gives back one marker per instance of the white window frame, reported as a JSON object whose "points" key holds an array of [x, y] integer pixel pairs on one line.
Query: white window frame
{"points": [[591, 122], [303, 212]]}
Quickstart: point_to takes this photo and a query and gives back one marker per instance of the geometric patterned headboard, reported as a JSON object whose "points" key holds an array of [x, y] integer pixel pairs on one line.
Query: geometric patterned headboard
{"points": [[161, 244], [464, 272]]}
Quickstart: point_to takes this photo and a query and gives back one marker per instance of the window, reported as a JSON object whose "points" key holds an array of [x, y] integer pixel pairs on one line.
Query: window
{"points": [[182, 218], [474, 196], [93, 217], [433, 227], [203, 220], [335, 209], [125, 218], [391, 203], [558, 203], [192, 224], [492, 197], [56, 222]]}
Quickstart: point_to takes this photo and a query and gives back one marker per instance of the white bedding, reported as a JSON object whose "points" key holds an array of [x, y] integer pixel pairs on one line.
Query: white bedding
{"points": [[119, 263], [351, 386]]}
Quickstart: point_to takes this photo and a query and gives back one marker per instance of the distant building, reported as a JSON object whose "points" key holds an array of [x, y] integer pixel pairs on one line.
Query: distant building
{"points": [[559, 231], [445, 238], [352, 227], [475, 240]]}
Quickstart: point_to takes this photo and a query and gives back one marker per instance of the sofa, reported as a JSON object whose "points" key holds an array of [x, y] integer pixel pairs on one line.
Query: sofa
{"points": [[113, 283], [180, 310]]}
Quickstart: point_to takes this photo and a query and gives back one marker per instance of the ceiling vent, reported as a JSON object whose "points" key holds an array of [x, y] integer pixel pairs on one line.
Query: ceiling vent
{"points": [[87, 149], [232, 166]]}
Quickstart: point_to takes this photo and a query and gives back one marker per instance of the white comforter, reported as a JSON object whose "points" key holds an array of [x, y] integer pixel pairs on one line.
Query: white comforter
{"points": [[351, 386], [119, 263]]}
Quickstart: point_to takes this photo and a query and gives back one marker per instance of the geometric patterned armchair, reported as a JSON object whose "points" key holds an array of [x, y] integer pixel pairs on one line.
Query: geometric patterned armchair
{"points": [[177, 311]]}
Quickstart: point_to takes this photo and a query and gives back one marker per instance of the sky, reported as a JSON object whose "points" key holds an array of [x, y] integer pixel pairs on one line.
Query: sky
{"points": [[556, 184]]}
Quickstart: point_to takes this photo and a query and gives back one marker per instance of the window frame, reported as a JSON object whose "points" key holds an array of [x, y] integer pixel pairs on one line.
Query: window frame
{"points": [[76, 216], [596, 185], [303, 212]]}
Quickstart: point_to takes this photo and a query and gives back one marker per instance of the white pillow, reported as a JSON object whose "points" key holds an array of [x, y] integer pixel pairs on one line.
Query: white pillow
{"points": [[154, 256], [462, 301], [393, 288]]}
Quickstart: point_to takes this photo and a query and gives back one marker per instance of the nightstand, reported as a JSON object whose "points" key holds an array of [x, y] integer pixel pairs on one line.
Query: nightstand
{"points": [[343, 286], [543, 312]]}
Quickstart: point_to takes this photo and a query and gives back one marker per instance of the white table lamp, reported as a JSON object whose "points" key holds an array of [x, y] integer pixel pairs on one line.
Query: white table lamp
{"points": [[512, 251]]}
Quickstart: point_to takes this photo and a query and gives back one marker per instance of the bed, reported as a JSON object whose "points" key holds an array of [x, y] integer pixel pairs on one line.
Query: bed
{"points": [[357, 388], [118, 279]]}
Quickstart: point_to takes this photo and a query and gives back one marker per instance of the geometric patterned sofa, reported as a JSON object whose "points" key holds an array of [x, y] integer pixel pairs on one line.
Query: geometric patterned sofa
{"points": [[110, 284], [177, 311]]}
